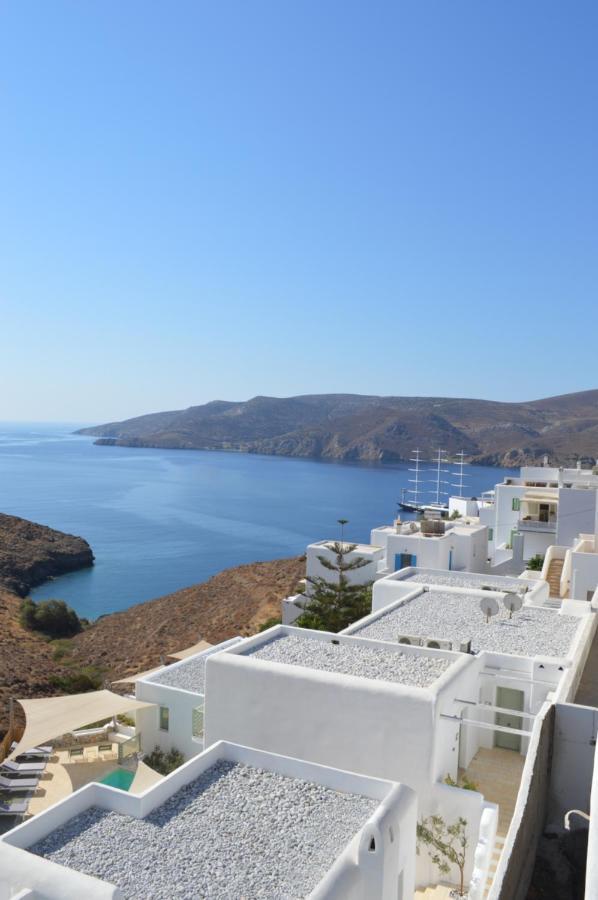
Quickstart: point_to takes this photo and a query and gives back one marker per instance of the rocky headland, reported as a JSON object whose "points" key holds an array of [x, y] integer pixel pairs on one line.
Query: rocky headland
{"points": [[31, 554], [374, 429]]}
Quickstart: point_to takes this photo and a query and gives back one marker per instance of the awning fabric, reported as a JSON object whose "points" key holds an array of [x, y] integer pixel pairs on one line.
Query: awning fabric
{"points": [[145, 777], [190, 651], [50, 717], [131, 679]]}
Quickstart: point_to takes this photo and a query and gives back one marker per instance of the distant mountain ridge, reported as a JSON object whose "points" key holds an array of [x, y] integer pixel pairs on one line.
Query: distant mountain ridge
{"points": [[371, 428]]}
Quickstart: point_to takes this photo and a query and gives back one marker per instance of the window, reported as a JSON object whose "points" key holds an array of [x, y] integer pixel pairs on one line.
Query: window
{"points": [[164, 716], [516, 504], [197, 722], [491, 534]]}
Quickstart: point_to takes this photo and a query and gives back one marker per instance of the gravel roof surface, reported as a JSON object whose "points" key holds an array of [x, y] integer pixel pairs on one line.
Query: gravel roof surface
{"points": [[531, 632], [235, 832], [466, 580], [353, 659], [190, 676]]}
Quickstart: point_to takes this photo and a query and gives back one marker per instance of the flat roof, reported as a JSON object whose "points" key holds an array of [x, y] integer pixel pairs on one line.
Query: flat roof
{"points": [[236, 831], [189, 675], [532, 631], [353, 658], [466, 580]]}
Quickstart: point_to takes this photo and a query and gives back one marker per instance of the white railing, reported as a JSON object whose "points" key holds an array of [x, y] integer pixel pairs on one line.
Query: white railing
{"points": [[530, 524], [483, 851]]}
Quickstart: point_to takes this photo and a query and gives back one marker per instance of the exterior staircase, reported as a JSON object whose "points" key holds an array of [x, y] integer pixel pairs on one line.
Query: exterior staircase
{"points": [[436, 892], [554, 576], [498, 847]]}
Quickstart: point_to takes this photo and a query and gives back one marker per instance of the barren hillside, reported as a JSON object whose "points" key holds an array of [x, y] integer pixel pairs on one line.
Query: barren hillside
{"points": [[354, 427]]}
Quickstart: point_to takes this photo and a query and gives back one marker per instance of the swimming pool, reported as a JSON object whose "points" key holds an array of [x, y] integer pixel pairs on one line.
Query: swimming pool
{"points": [[119, 778]]}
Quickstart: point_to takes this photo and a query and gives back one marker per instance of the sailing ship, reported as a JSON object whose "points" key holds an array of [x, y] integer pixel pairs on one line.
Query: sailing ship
{"points": [[411, 498]]}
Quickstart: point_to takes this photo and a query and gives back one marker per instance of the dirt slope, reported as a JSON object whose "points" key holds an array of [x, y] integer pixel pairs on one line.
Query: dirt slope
{"points": [[233, 602]]}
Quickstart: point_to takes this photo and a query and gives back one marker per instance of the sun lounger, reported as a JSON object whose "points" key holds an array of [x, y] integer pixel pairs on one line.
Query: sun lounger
{"points": [[16, 808], [18, 784], [44, 751], [22, 768]]}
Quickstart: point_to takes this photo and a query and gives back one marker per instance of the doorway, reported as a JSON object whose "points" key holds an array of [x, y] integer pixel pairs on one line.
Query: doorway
{"points": [[544, 511], [508, 698]]}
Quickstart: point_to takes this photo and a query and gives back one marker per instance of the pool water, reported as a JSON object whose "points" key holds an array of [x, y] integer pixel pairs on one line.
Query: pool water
{"points": [[119, 778]]}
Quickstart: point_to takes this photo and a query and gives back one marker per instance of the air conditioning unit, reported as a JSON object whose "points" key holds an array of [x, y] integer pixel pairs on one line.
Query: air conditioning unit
{"points": [[437, 644], [411, 639], [463, 647]]}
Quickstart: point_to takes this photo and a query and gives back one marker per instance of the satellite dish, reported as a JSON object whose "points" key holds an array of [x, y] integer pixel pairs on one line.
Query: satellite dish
{"points": [[513, 603], [489, 607]]}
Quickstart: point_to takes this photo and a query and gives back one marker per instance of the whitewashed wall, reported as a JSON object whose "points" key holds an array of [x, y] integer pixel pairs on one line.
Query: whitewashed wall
{"points": [[576, 514], [358, 873]]}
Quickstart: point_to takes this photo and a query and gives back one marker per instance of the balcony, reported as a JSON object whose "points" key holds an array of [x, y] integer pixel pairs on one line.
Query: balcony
{"points": [[534, 524]]}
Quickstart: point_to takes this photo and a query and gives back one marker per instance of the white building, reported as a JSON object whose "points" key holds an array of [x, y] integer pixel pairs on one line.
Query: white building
{"points": [[176, 720], [414, 712], [456, 697], [541, 507], [460, 544], [226, 823]]}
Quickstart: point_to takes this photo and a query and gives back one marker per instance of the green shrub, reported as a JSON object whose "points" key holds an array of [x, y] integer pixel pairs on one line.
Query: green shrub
{"points": [[536, 563], [99, 724], [79, 681], [124, 719], [164, 762], [465, 784], [273, 620], [52, 617], [62, 650]]}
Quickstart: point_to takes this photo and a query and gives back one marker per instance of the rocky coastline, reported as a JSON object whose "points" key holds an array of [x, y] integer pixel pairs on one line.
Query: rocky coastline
{"points": [[31, 554]]}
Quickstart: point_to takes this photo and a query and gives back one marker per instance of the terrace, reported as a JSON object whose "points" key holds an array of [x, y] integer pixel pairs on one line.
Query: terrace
{"points": [[57, 754]]}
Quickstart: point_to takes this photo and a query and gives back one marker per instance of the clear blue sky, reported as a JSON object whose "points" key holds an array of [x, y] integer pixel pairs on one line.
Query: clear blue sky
{"points": [[206, 200]]}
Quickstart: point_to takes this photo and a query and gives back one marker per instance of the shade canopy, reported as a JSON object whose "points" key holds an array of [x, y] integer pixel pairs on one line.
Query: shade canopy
{"points": [[190, 651], [131, 679], [50, 717], [145, 777]]}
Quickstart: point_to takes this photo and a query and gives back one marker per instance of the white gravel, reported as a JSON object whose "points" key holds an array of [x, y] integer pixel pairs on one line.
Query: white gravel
{"points": [[190, 676], [235, 832], [438, 614], [353, 659], [466, 580]]}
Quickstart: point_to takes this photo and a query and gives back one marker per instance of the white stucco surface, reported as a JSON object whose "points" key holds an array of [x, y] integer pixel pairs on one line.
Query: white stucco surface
{"points": [[353, 659], [453, 616]]}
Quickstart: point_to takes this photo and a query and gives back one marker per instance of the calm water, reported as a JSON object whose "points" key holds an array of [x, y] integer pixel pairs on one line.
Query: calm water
{"points": [[159, 520]]}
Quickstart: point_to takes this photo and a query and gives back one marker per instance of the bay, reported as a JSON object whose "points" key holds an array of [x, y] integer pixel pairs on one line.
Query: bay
{"points": [[160, 520]]}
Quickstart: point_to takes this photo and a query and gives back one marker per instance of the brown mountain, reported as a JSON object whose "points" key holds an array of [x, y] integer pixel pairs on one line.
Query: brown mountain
{"points": [[355, 427]]}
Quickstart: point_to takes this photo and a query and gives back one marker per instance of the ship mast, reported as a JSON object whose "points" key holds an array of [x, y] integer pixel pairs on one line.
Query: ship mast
{"points": [[459, 462], [417, 480], [441, 460]]}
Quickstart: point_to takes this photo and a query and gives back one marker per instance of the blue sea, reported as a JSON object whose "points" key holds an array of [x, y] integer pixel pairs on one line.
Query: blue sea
{"points": [[160, 520]]}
